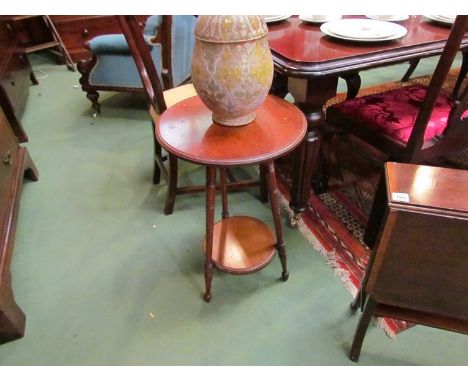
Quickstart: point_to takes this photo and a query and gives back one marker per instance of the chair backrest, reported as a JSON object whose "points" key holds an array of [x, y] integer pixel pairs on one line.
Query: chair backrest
{"points": [[146, 69], [416, 140]]}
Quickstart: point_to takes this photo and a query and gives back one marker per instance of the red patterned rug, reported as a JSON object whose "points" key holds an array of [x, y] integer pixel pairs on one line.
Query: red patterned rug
{"points": [[334, 221]]}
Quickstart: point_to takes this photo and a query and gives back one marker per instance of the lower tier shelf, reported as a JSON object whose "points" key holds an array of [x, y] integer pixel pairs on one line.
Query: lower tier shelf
{"points": [[242, 245]]}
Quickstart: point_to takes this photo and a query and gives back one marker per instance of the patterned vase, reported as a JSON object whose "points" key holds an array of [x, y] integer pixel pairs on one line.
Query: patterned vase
{"points": [[232, 66]]}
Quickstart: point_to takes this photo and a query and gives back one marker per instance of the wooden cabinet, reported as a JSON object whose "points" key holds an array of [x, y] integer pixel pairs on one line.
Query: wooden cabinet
{"points": [[14, 163], [14, 67], [76, 30]]}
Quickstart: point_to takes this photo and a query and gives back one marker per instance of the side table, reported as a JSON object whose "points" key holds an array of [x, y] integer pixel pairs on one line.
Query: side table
{"points": [[239, 244], [418, 268]]}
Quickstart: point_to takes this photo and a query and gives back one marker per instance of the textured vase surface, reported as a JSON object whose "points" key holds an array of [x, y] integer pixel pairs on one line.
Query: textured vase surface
{"points": [[232, 66]]}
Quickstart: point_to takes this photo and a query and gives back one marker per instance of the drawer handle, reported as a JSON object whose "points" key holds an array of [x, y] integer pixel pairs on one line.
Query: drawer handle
{"points": [[84, 32], [7, 159]]}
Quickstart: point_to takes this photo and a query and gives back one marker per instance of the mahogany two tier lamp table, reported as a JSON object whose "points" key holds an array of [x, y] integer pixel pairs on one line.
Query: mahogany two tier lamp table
{"points": [[238, 244]]}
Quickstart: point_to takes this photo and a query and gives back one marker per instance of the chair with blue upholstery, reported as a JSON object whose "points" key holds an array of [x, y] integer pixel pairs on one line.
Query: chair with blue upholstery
{"points": [[170, 40]]}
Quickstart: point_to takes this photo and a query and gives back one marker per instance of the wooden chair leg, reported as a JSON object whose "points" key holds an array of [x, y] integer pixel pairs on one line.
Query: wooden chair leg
{"points": [[157, 154], [172, 185], [210, 212], [223, 189], [361, 330], [377, 214], [276, 211], [411, 69], [462, 74]]}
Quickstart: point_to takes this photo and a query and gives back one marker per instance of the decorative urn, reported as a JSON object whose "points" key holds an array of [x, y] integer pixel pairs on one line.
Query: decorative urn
{"points": [[232, 66]]}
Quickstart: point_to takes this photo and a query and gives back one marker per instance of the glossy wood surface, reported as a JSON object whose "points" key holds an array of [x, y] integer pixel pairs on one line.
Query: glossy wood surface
{"points": [[428, 186], [14, 162], [418, 268], [236, 250], [187, 130], [302, 49]]}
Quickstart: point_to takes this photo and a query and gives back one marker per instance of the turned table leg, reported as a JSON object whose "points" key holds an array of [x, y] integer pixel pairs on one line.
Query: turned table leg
{"points": [[310, 96], [276, 211], [223, 189], [210, 212]]}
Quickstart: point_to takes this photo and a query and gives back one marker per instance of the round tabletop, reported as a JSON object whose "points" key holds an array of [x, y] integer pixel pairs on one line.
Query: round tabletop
{"points": [[187, 130]]}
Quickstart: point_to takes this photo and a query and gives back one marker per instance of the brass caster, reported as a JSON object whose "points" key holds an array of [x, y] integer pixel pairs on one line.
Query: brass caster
{"points": [[294, 221]]}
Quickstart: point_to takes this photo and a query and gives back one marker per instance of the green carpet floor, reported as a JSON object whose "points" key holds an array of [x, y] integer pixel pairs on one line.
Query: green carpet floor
{"points": [[106, 279]]}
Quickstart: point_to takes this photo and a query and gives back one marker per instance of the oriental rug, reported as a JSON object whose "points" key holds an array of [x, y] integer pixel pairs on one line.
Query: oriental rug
{"points": [[334, 221]]}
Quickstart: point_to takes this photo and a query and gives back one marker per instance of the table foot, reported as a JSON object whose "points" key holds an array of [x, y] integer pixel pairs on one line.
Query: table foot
{"points": [[207, 297], [285, 276], [294, 221]]}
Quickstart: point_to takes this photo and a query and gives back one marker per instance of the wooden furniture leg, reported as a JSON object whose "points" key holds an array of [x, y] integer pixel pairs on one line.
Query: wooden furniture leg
{"points": [[462, 74], [263, 185], [172, 185], [353, 83], [223, 188], [361, 330], [84, 67], [310, 95], [377, 214], [411, 69], [276, 211], [210, 212]]}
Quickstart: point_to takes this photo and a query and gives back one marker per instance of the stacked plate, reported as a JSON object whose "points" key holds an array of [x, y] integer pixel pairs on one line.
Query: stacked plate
{"points": [[388, 17], [318, 19], [364, 30], [274, 18], [446, 19]]}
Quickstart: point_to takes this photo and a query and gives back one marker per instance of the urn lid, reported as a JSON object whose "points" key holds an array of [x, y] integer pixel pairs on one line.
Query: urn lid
{"points": [[230, 28]]}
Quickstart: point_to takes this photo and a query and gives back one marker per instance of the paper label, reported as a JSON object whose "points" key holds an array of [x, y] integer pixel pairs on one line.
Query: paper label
{"points": [[400, 197]]}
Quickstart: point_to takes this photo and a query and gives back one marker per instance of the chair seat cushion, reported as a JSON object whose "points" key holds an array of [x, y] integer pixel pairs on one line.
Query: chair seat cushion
{"points": [[112, 44], [174, 95], [394, 112]]}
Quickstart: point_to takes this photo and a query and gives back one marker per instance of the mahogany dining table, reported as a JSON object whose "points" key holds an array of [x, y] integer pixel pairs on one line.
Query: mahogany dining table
{"points": [[311, 62]]}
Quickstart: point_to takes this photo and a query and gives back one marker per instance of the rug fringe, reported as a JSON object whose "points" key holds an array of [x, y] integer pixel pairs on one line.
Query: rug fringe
{"points": [[332, 260], [330, 256]]}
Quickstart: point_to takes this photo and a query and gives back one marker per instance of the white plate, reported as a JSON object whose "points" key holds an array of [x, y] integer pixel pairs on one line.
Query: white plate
{"points": [[402, 31], [318, 19], [275, 18], [439, 19], [364, 29], [388, 18]]}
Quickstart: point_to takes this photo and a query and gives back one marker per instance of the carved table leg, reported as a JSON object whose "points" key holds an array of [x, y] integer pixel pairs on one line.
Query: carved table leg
{"points": [[210, 212], [353, 83], [276, 210], [310, 96]]}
